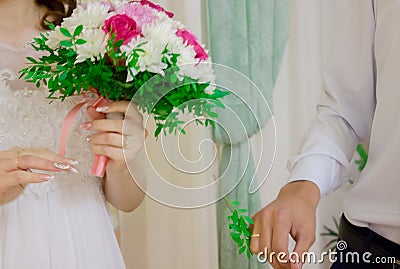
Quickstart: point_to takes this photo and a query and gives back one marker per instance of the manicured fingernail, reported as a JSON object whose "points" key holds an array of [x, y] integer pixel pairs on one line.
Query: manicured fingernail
{"points": [[102, 109], [73, 170], [86, 125], [70, 161], [62, 166], [46, 177]]}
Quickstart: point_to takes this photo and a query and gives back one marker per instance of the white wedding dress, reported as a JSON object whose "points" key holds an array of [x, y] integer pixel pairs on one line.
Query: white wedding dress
{"points": [[63, 223]]}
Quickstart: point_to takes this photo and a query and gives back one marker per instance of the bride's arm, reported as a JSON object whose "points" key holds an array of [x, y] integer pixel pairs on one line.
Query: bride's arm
{"points": [[120, 187]]}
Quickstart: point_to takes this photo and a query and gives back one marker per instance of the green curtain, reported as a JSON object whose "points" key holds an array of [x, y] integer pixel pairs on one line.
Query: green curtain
{"points": [[250, 37]]}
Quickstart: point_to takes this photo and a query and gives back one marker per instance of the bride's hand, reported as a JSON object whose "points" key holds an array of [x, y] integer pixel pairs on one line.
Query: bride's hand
{"points": [[109, 140], [16, 163]]}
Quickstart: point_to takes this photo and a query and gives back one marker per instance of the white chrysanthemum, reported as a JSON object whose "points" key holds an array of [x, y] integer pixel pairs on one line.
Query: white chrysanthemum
{"points": [[95, 46], [91, 15], [149, 60], [118, 3], [186, 61], [54, 38], [163, 18], [205, 71], [161, 33], [176, 46]]}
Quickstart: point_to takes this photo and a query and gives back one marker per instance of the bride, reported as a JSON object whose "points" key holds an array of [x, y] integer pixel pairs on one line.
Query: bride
{"points": [[53, 212]]}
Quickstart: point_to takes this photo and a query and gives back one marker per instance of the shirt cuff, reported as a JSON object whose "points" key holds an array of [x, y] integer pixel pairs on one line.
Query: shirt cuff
{"points": [[320, 169]]}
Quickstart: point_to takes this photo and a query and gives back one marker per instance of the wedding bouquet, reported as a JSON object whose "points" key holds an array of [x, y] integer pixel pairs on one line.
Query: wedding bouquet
{"points": [[116, 49]]}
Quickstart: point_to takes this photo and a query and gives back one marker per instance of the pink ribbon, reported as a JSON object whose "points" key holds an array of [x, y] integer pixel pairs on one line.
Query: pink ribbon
{"points": [[100, 161]]}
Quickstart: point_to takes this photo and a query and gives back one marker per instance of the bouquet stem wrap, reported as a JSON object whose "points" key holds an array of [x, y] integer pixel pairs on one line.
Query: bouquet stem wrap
{"points": [[100, 161]]}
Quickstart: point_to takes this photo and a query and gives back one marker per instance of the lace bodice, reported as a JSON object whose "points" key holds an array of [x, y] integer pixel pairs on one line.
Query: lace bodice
{"points": [[29, 119]]}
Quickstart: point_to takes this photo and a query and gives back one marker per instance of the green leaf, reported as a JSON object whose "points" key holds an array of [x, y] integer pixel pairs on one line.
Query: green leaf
{"points": [[235, 202], [80, 41], [235, 235], [158, 130], [66, 43], [248, 254], [238, 240], [78, 30], [65, 32], [248, 219], [212, 114], [70, 53], [51, 26], [242, 249], [363, 155], [235, 216], [118, 43], [32, 60]]}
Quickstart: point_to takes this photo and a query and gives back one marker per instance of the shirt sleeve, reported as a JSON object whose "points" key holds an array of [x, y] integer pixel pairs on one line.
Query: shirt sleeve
{"points": [[346, 110]]}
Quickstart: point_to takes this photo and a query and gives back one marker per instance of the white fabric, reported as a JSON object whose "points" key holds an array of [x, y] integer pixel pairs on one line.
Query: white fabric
{"points": [[360, 104], [63, 223]]}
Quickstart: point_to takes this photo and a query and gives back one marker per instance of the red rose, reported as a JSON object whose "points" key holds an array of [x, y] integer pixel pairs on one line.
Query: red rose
{"points": [[191, 39], [123, 26], [157, 7]]}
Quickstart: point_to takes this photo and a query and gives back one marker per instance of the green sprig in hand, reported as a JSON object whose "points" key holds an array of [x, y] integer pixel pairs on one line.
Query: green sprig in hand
{"points": [[239, 226]]}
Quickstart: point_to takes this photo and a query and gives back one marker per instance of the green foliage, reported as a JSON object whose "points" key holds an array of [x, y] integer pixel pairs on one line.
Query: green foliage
{"points": [[59, 70], [239, 223], [333, 234], [362, 162]]}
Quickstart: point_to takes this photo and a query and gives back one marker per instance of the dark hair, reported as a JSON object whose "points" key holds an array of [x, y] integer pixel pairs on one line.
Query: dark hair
{"points": [[57, 10]]}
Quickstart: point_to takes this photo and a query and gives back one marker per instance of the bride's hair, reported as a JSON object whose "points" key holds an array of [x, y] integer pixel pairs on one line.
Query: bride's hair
{"points": [[57, 11]]}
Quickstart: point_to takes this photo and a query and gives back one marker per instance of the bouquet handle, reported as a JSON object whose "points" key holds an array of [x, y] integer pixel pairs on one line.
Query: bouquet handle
{"points": [[99, 165], [99, 162]]}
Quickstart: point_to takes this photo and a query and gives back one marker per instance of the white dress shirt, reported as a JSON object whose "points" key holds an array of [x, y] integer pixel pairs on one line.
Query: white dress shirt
{"points": [[360, 103]]}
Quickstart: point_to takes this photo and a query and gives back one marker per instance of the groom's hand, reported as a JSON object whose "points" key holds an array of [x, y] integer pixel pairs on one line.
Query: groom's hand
{"points": [[293, 212]]}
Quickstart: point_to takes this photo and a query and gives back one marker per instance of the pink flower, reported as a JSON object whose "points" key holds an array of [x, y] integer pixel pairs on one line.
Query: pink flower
{"points": [[157, 7], [141, 14], [123, 26], [191, 39], [112, 8]]}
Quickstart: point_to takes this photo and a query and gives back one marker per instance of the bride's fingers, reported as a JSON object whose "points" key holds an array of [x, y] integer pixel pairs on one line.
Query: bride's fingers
{"points": [[129, 110], [48, 155], [26, 162], [113, 153], [11, 179], [93, 114], [104, 125], [34, 158], [118, 106], [109, 139]]}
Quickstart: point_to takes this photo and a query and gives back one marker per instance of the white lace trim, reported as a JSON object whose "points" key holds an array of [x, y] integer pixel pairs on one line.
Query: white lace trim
{"points": [[29, 119]]}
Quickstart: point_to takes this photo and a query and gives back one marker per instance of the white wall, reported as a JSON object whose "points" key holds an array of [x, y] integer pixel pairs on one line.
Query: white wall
{"points": [[313, 28]]}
